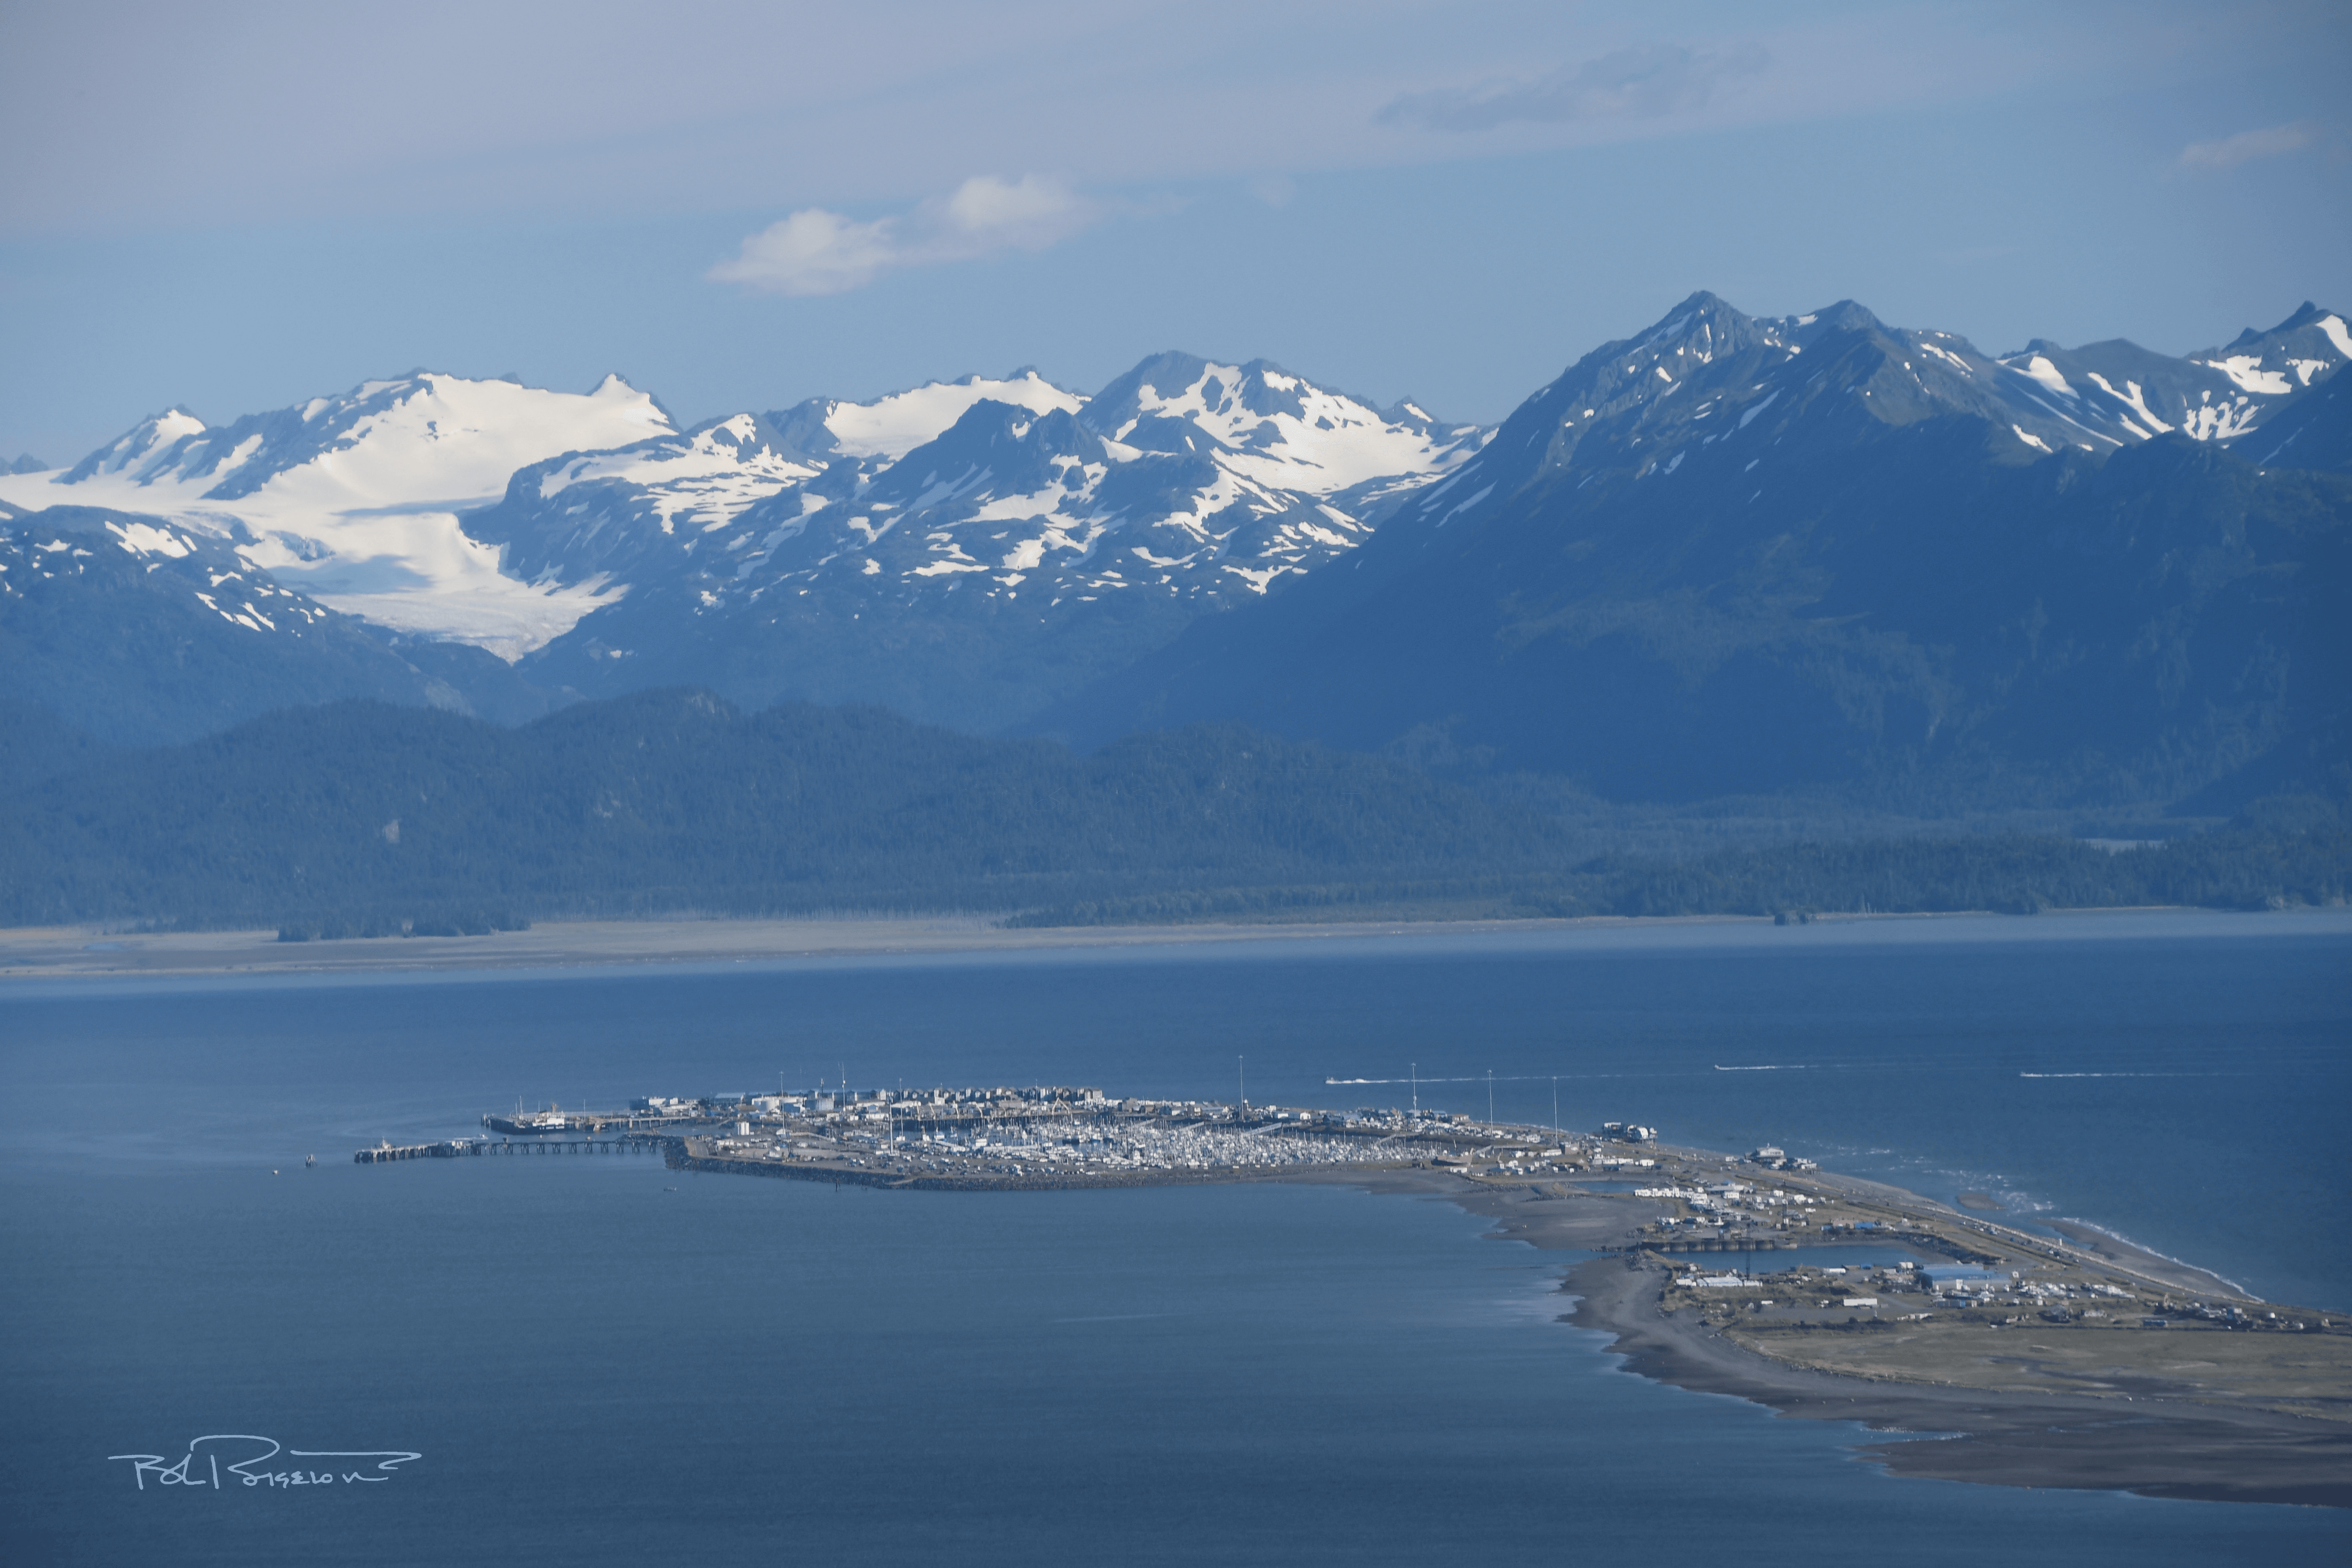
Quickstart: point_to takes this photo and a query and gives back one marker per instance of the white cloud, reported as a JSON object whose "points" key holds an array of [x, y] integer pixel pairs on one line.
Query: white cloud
{"points": [[573, 108], [1646, 82], [814, 251], [2231, 151]]}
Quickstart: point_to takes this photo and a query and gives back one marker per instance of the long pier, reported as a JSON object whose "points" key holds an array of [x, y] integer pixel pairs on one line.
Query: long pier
{"points": [[555, 1125], [470, 1148]]}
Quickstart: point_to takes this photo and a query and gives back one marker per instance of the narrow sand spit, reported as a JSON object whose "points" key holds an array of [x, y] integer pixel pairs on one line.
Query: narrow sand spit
{"points": [[2159, 1442]]}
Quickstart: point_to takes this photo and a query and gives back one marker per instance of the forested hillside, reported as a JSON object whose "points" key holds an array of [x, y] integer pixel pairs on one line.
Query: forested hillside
{"points": [[675, 800], [362, 818]]}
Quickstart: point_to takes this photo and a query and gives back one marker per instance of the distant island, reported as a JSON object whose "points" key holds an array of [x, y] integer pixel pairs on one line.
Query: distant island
{"points": [[2066, 1359]]}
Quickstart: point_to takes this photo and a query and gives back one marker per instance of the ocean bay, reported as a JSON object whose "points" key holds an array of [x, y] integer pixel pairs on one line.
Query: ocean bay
{"points": [[1243, 1372]]}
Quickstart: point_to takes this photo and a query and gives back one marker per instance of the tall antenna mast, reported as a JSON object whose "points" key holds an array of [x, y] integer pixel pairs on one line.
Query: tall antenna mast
{"points": [[1416, 1088], [1241, 1080], [1490, 1097]]}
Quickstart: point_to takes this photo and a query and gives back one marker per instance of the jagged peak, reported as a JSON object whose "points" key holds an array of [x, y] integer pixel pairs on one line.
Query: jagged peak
{"points": [[1700, 310], [1847, 316], [994, 418], [2305, 315], [149, 439], [607, 385], [1169, 369]]}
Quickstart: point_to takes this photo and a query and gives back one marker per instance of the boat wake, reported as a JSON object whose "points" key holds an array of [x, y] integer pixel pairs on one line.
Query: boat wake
{"points": [[1499, 1078], [2130, 1075]]}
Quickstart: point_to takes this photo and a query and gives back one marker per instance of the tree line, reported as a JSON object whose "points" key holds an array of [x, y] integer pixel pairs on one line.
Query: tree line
{"points": [[361, 819]]}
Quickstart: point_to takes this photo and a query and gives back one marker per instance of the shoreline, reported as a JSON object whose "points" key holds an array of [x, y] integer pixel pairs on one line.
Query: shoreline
{"points": [[56, 953], [2150, 1443], [2008, 1418], [2153, 1440], [2147, 1430], [61, 953]]}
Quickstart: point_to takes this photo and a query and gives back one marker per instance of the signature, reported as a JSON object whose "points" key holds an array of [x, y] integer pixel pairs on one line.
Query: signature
{"points": [[221, 1459]]}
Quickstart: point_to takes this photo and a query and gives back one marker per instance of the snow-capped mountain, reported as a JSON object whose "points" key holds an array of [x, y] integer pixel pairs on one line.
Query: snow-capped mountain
{"points": [[137, 630], [2118, 390], [1740, 554], [2314, 431], [1196, 478], [590, 538], [657, 503], [817, 554], [979, 551], [402, 441], [355, 499], [1710, 387]]}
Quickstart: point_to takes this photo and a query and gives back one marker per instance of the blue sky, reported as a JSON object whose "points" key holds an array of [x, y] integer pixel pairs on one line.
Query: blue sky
{"points": [[237, 206]]}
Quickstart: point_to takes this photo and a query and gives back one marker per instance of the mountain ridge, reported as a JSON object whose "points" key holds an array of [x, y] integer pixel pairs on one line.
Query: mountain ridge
{"points": [[1679, 570], [1703, 501]]}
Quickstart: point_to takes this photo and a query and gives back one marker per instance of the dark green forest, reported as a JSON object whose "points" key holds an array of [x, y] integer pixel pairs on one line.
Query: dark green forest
{"points": [[361, 818]]}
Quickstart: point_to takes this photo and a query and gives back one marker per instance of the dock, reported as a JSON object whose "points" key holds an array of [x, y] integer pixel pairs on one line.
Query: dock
{"points": [[471, 1148], [558, 1124]]}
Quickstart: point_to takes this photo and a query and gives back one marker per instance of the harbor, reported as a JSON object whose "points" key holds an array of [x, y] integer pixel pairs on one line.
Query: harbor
{"points": [[1761, 1254], [1038, 1136], [1669, 1201]]}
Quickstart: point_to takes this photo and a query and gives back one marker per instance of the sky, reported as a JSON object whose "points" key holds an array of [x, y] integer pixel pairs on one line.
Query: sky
{"points": [[237, 206]]}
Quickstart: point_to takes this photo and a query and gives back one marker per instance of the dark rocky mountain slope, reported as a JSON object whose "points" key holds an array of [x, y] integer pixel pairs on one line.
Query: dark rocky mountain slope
{"points": [[1818, 554]]}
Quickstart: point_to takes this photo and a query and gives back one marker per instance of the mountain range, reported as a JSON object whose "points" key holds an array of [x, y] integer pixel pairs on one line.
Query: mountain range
{"points": [[965, 551], [1728, 555], [1737, 555]]}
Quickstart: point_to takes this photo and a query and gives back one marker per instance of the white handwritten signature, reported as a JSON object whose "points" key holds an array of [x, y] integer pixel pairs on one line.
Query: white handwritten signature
{"points": [[212, 1461]]}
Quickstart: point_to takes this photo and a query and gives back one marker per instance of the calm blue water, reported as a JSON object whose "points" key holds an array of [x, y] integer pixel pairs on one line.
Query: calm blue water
{"points": [[599, 1357]]}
